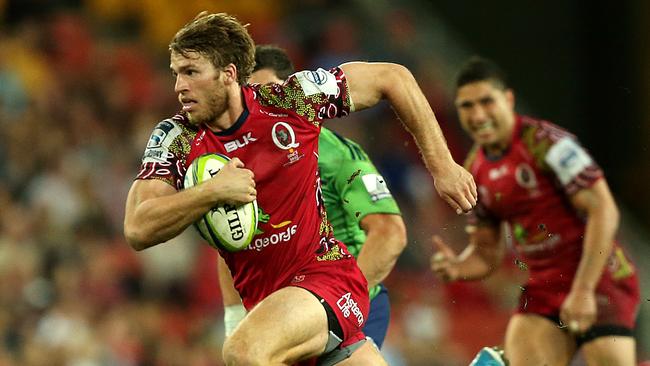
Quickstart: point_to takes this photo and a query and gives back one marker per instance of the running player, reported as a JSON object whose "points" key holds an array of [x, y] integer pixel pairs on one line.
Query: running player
{"points": [[305, 294], [582, 291], [359, 205]]}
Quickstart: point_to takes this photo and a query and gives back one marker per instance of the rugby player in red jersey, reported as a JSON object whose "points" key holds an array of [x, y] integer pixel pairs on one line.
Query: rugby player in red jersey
{"points": [[306, 297], [582, 291]]}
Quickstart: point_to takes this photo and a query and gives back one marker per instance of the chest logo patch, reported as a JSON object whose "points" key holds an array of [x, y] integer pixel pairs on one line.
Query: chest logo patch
{"points": [[283, 136], [525, 176]]}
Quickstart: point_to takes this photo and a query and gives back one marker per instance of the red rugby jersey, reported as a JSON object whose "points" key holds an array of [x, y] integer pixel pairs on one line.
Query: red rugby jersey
{"points": [[277, 138], [529, 187]]}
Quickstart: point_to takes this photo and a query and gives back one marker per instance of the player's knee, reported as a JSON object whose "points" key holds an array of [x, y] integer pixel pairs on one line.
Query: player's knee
{"points": [[237, 351]]}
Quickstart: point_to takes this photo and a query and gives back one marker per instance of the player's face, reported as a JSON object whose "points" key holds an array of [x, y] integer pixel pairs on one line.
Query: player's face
{"points": [[199, 86], [486, 112], [264, 76]]}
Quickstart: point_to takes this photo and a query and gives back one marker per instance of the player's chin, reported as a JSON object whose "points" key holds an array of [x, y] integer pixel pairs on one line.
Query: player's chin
{"points": [[195, 118]]}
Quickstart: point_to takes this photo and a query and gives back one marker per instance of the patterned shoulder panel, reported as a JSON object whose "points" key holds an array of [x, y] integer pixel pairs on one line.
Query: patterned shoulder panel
{"points": [[313, 95], [558, 152], [539, 136], [167, 150]]}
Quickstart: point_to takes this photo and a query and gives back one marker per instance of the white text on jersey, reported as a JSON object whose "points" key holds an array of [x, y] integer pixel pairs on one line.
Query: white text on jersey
{"points": [[236, 144]]}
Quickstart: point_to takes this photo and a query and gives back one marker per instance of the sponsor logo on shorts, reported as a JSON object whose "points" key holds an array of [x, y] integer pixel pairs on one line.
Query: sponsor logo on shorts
{"points": [[273, 239], [348, 307], [298, 278]]}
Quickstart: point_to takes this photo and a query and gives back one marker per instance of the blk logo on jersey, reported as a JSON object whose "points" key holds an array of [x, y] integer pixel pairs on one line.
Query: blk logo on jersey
{"points": [[231, 146]]}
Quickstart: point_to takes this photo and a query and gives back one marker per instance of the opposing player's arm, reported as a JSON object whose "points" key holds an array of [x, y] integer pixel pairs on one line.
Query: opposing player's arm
{"points": [[385, 241], [482, 256], [602, 214], [368, 83], [155, 212], [233, 308]]}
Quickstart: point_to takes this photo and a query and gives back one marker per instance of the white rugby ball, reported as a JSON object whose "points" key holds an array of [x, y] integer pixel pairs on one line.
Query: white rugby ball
{"points": [[226, 227]]}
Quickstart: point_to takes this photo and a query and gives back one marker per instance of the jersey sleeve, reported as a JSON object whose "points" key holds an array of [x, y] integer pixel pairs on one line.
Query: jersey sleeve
{"points": [[574, 168], [164, 157], [363, 190], [313, 95], [557, 152]]}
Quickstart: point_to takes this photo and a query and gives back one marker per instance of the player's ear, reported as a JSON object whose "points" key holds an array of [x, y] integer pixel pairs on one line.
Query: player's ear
{"points": [[230, 74]]}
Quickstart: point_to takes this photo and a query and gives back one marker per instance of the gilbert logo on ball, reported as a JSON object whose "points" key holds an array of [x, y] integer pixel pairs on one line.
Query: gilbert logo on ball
{"points": [[226, 227]]}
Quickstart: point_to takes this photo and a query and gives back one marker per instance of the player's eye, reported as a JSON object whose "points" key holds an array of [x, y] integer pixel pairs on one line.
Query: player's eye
{"points": [[487, 101], [466, 105]]}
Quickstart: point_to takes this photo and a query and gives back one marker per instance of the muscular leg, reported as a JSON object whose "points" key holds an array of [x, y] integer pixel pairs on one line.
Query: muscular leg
{"points": [[610, 351], [535, 340], [288, 326], [368, 354]]}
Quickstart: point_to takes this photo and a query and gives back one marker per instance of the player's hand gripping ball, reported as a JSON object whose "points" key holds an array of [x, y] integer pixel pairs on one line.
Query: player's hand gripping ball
{"points": [[226, 227]]}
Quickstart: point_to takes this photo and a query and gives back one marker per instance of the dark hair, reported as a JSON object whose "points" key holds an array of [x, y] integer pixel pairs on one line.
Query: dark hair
{"points": [[219, 37], [481, 69], [274, 58]]}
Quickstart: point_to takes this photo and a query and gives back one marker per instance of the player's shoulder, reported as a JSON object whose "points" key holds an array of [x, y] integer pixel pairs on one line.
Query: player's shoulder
{"points": [[538, 136], [311, 94], [167, 136], [536, 131]]}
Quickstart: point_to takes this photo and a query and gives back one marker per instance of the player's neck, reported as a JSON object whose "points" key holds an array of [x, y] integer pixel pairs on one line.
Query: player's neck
{"points": [[234, 109]]}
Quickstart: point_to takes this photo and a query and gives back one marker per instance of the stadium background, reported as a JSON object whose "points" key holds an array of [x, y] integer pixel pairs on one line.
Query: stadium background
{"points": [[82, 83]]}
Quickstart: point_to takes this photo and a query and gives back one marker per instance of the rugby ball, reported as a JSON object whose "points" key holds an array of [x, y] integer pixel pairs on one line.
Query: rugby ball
{"points": [[227, 227]]}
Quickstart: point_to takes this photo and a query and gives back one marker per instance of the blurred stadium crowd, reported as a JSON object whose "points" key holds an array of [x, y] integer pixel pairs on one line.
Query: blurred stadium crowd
{"points": [[82, 85]]}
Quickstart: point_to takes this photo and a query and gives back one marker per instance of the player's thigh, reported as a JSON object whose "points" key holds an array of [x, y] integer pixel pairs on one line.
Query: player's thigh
{"points": [[368, 354], [610, 351], [378, 318], [288, 325], [534, 340]]}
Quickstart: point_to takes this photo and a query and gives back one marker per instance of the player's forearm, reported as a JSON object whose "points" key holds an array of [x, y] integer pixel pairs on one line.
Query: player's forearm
{"points": [[600, 230], [227, 285], [472, 265], [380, 252], [413, 109], [156, 220]]}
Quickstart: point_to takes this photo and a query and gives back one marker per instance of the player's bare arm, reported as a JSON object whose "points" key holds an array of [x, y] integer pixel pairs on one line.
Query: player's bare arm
{"points": [[602, 214], [371, 82], [385, 241], [155, 212], [481, 257], [234, 310]]}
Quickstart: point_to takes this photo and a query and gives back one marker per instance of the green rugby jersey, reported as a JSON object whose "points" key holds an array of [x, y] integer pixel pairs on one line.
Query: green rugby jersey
{"points": [[352, 188]]}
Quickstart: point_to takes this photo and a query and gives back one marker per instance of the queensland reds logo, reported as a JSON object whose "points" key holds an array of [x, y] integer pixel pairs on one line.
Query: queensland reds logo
{"points": [[525, 176], [283, 136]]}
